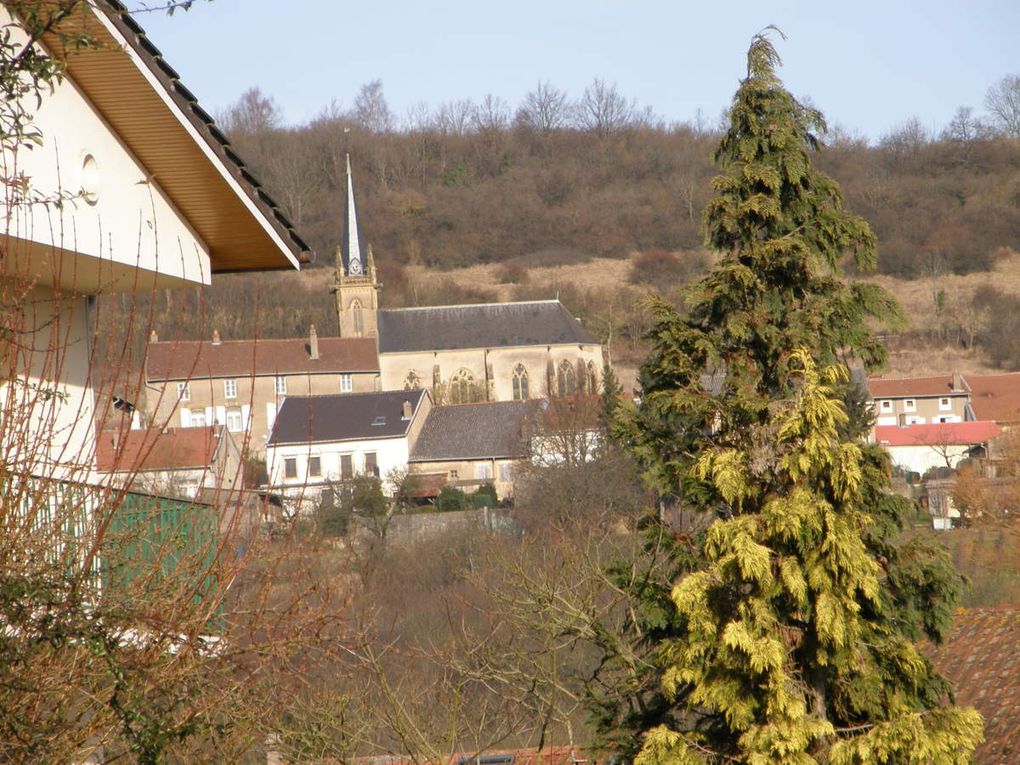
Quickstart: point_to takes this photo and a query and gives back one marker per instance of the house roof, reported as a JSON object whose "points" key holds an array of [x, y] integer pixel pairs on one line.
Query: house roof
{"points": [[995, 397], [160, 121], [982, 659], [913, 387], [119, 451], [475, 431], [344, 417], [937, 434], [199, 359], [488, 325]]}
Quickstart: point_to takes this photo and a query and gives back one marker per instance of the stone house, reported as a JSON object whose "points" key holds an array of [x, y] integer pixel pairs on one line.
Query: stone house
{"points": [[241, 383]]}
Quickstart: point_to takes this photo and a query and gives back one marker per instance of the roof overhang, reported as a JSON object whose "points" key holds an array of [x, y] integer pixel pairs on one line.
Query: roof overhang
{"points": [[160, 122]]}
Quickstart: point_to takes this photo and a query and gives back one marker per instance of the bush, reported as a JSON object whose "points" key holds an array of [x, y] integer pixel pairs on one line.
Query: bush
{"points": [[451, 498], [663, 269], [485, 496]]}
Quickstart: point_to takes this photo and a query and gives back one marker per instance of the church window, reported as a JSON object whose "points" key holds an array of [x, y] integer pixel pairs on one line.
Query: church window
{"points": [[520, 383], [593, 378], [462, 387], [566, 379], [412, 381], [359, 320]]}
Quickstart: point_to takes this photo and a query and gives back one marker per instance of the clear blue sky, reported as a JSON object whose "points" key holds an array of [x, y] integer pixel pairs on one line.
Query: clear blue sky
{"points": [[869, 65]]}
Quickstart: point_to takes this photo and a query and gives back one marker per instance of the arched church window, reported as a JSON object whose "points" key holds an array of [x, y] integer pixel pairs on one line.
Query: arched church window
{"points": [[566, 379], [520, 383], [412, 381], [359, 320], [593, 378], [462, 386]]}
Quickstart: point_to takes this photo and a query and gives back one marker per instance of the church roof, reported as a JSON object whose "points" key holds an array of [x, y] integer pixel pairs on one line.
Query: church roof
{"points": [[487, 325], [492, 430]]}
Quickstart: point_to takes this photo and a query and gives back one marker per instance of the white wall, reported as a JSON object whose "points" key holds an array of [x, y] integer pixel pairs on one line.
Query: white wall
{"points": [[923, 458], [391, 454]]}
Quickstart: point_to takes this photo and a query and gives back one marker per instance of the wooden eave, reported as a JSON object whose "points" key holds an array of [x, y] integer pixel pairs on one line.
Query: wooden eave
{"points": [[140, 96]]}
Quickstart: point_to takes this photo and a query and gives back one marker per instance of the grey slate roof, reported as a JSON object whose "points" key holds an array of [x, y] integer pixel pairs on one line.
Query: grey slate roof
{"points": [[489, 325], [343, 417], [476, 431]]}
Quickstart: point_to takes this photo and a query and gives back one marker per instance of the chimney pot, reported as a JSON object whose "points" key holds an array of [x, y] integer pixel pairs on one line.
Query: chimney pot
{"points": [[407, 410], [313, 343], [215, 337], [153, 337]]}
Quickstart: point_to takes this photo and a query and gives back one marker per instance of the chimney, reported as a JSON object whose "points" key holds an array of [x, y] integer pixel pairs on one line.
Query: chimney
{"points": [[407, 410], [957, 381], [313, 343], [153, 337], [215, 337]]}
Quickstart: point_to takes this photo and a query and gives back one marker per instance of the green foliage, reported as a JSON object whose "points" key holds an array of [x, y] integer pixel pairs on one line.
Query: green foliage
{"points": [[452, 498], [485, 496], [360, 496], [793, 642]]}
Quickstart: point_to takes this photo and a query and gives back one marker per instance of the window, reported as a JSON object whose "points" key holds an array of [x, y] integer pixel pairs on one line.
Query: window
{"points": [[290, 467], [520, 383], [483, 471], [506, 471], [230, 389], [412, 381], [184, 391], [566, 380], [885, 406], [909, 405], [235, 421], [462, 387], [371, 464], [454, 475], [346, 467], [280, 386], [198, 419], [359, 320], [346, 383], [314, 467], [945, 404]]}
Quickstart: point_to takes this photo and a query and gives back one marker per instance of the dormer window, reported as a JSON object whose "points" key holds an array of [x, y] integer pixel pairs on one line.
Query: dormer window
{"points": [[380, 420]]}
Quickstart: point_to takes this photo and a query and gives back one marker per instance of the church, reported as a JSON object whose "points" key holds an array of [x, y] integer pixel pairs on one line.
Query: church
{"points": [[463, 353]]}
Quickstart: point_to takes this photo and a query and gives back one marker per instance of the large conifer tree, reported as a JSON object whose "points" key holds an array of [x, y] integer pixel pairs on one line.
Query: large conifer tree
{"points": [[795, 641]]}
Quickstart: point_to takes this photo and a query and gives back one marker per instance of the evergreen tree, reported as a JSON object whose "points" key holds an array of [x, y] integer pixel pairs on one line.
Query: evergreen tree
{"points": [[794, 641]]}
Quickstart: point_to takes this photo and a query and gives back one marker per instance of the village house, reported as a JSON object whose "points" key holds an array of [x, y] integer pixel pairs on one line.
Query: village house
{"points": [[920, 400], [177, 462], [150, 196], [463, 353], [995, 397], [920, 448], [242, 383], [468, 445], [318, 441]]}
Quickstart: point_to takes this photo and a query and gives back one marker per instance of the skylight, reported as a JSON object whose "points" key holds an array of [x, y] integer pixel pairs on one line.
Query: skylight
{"points": [[380, 420]]}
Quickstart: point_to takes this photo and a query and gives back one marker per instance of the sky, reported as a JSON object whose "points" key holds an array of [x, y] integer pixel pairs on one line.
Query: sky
{"points": [[869, 66]]}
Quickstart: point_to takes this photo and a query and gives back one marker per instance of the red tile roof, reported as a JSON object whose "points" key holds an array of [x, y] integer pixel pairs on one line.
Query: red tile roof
{"points": [[941, 433], [173, 449], [982, 659], [907, 387], [191, 359], [995, 397]]}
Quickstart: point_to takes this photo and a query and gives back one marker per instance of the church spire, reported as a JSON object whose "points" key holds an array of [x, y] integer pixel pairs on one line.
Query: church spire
{"points": [[350, 246]]}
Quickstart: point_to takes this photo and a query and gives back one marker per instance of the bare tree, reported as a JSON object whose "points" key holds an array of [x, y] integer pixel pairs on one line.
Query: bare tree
{"points": [[455, 117], [492, 114], [603, 110], [1003, 102], [371, 110], [544, 109], [253, 113]]}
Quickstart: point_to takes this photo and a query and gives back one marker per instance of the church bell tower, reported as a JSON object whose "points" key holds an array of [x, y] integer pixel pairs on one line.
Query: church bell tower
{"points": [[356, 287]]}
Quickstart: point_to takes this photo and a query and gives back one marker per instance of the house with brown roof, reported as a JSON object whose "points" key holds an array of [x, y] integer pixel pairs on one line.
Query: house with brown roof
{"points": [[995, 397], [920, 400], [176, 462], [463, 353], [982, 659], [467, 445], [241, 383], [318, 441]]}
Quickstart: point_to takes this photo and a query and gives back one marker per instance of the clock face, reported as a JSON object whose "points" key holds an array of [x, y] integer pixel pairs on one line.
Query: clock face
{"points": [[355, 268]]}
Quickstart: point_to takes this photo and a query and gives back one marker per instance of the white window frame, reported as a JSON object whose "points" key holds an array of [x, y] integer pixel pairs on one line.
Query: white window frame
{"points": [[316, 459], [909, 405], [280, 385], [198, 418], [238, 425], [230, 389], [183, 391], [290, 468], [885, 405], [483, 471], [945, 404], [346, 383]]}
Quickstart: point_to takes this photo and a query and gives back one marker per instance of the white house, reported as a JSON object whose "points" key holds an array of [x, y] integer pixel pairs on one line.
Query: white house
{"points": [[318, 440], [130, 188], [920, 448]]}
